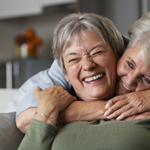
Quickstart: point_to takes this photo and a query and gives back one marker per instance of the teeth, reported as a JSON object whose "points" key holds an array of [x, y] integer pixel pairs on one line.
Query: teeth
{"points": [[126, 87], [93, 78]]}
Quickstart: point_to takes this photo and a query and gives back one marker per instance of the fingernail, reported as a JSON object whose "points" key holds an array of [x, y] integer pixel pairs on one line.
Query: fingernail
{"points": [[107, 105], [109, 117], [118, 118], [106, 113]]}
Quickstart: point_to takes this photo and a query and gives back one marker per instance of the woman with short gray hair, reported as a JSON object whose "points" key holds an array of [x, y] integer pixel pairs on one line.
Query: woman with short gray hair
{"points": [[90, 65], [69, 27]]}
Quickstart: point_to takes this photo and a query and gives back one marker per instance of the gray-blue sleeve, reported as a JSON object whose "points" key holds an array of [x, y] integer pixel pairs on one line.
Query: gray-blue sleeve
{"points": [[49, 77], [22, 91]]}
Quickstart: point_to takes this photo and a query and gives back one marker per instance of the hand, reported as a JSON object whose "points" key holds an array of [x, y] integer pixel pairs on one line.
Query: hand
{"points": [[142, 116], [52, 100], [127, 105]]}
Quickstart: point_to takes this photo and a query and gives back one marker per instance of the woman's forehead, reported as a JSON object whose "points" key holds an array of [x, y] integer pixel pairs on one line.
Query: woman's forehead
{"points": [[81, 38], [136, 55]]}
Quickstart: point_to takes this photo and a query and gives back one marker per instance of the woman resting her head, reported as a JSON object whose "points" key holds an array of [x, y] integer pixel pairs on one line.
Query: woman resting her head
{"points": [[133, 70], [86, 47]]}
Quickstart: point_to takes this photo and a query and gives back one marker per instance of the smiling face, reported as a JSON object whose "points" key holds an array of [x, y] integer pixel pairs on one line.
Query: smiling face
{"points": [[134, 74], [91, 67]]}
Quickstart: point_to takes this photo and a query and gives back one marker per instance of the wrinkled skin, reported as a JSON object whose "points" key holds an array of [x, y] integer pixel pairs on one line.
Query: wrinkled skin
{"points": [[133, 106]]}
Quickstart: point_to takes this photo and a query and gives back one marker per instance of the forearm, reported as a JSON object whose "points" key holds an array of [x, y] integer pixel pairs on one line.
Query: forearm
{"points": [[23, 120], [82, 111], [76, 111], [39, 136]]}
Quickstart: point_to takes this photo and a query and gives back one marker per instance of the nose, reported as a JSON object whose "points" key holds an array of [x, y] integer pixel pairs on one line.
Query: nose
{"points": [[88, 63], [132, 80]]}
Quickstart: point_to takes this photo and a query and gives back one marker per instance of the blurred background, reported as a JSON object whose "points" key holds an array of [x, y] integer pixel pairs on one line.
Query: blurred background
{"points": [[26, 31]]}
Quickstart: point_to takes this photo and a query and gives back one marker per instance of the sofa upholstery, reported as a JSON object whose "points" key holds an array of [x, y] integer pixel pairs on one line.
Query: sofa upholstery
{"points": [[10, 136]]}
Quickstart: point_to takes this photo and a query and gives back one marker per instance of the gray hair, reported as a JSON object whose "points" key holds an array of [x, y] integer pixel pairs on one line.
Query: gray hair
{"points": [[70, 26], [139, 32]]}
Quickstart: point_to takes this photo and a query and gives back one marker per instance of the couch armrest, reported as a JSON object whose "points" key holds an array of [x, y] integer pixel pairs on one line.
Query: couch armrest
{"points": [[10, 136]]}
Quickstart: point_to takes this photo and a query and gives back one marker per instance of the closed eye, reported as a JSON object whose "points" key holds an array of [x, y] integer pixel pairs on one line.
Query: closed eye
{"points": [[97, 53], [74, 60]]}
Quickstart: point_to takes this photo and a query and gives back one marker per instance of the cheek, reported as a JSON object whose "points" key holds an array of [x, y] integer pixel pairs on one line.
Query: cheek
{"points": [[142, 87], [105, 61], [72, 70], [111, 64]]}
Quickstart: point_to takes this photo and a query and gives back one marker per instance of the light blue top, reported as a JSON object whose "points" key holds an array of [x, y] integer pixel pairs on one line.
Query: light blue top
{"points": [[25, 99]]}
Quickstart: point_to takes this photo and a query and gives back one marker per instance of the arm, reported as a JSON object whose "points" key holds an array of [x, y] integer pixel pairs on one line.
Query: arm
{"points": [[76, 111], [128, 105], [39, 136], [23, 120], [42, 129], [17, 98], [27, 104], [53, 76], [82, 111]]}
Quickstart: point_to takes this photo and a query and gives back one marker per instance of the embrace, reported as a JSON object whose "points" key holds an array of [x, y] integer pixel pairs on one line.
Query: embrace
{"points": [[90, 52]]}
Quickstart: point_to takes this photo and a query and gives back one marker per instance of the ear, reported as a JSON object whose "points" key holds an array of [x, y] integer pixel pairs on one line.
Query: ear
{"points": [[67, 78]]}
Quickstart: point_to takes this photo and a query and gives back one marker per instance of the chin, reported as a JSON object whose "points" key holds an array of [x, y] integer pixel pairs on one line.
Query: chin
{"points": [[105, 96], [117, 93], [120, 93]]}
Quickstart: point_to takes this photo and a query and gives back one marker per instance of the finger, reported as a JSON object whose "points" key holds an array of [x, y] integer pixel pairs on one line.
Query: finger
{"points": [[147, 113], [128, 113], [36, 93], [68, 99], [115, 107], [36, 90], [118, 112], [138, 108], [131, 118], [143, 116], [137, 117], [114, 100]]}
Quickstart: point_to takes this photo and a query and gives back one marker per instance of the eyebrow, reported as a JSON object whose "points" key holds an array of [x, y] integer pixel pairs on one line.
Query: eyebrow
{"points": [[131, 60], [69, 54], [95, 47]]}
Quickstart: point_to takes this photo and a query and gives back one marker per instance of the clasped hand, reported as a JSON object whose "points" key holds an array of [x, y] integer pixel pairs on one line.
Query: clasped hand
{"points": [[52, 100], [133, 106]]}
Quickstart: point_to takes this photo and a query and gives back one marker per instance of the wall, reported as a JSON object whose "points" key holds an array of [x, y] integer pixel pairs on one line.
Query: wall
{"points": [[43, 24], [122, 12]]}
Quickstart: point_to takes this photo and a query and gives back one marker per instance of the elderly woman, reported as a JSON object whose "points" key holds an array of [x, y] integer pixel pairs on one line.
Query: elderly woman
{"points": [[136, 103], [105, 29], [135, 77], [88, 59]]}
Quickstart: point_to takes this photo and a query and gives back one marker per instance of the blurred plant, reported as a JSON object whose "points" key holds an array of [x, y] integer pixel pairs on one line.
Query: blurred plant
{"points": [[28, 44]]}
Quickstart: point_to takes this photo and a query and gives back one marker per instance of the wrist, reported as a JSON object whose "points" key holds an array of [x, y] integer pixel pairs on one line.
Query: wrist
{"points": [[42, 117]]}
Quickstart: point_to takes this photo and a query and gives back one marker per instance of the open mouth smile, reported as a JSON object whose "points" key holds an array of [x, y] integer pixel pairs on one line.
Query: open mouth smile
{"points": [[125, 87], [98, 76]]}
